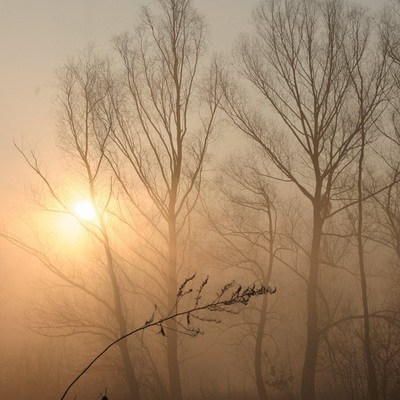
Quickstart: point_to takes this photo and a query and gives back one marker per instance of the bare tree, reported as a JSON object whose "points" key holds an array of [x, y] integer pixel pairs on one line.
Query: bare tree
{"points": [[302, 59], [243, 216], [370, 88], [83, 139], [161, 119], [152, 120]]}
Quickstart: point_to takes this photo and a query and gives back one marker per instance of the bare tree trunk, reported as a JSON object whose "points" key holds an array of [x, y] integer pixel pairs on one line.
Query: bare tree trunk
{"points": [[311, 353], [372, 382], [119, 315], [175, 387], [262, 392], [129, 370]]}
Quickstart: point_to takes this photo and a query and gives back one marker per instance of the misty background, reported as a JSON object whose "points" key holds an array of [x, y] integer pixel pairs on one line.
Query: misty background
{"points": [[41, 353]]}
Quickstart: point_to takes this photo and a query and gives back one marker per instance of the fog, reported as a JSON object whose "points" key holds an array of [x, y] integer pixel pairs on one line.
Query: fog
{"points": [[200, 200]]}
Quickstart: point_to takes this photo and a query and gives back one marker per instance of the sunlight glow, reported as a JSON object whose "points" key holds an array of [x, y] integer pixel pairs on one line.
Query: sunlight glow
{"points": [[84, 210]]}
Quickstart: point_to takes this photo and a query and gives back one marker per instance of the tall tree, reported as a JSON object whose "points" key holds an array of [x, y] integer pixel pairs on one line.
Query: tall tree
{"points": [[299, 60], [371, 86], [161, 121]]}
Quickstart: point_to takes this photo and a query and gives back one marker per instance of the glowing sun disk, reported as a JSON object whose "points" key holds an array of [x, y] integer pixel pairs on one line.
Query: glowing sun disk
{"points": [[84, 209]]}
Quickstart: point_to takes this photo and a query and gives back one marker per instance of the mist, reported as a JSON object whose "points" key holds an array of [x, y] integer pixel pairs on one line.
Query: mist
{"points": [[202, 202]]}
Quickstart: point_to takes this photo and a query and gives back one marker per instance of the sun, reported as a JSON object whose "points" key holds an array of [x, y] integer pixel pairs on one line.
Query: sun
{"points": [[83, 209]]}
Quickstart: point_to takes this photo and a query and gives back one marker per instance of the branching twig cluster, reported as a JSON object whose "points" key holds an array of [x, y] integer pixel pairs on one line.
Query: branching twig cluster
{"points": [[230, 295]]}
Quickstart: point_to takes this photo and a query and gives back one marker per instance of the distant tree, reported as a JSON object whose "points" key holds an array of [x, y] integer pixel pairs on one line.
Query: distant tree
{"points": [[83, 139], [370, 85], [389, 201], [244, 218]]}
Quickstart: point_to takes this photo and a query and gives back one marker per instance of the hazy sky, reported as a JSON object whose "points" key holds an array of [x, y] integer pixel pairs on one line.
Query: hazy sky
{"points": [[36, 36]]}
